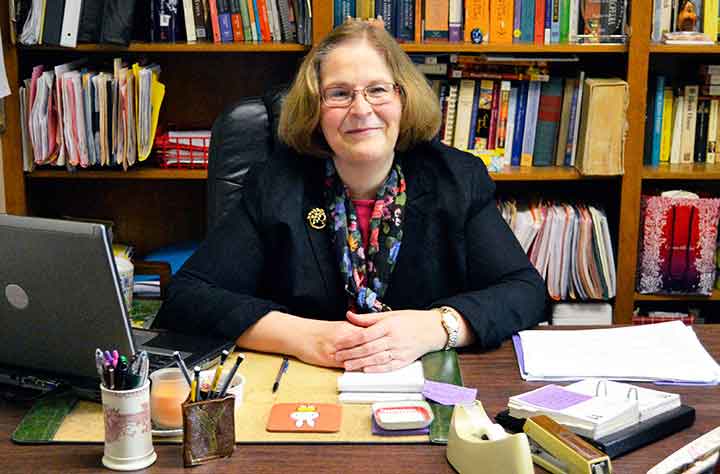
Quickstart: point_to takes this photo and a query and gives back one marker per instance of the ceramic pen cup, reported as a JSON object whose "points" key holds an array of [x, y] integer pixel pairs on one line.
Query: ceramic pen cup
{"points": [[208, 430], [168, 392], [128, 430]]}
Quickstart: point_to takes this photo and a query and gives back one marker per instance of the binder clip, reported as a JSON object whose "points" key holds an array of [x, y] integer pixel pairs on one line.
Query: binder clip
{"points": [[560, 451], [474, 440]]}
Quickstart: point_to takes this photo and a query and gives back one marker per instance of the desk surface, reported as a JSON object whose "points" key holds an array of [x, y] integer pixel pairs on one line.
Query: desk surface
{"points": [[495, 374]]}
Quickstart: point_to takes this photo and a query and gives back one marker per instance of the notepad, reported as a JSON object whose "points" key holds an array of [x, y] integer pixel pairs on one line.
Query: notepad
{"points": [[586, 415], [409, 379]]}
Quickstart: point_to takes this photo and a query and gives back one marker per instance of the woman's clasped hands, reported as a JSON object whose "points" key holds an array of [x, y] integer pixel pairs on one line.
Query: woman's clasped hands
{"points": [[380, 342]]}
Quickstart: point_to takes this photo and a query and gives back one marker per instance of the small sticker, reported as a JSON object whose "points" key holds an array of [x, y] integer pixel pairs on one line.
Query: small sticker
{"points": [[516, 33], [476, 36]]}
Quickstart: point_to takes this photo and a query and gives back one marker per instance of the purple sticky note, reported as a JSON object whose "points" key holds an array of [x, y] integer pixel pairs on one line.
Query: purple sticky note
{"points": [[554, 397], [377, 430], [448, 394]]}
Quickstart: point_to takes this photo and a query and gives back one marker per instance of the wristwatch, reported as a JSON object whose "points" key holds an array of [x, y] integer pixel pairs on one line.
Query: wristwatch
{"points": [[451, 323]]}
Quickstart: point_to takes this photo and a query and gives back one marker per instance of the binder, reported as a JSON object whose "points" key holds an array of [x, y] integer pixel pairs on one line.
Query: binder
{"points": [[629, 439], [70, 23]]}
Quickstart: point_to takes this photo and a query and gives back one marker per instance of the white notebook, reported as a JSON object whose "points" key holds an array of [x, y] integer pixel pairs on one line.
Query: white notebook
{"points": [[409, 379]]}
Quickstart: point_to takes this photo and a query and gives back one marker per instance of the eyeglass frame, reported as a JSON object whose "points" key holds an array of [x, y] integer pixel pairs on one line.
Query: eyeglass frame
{"points": [[397, 88]]}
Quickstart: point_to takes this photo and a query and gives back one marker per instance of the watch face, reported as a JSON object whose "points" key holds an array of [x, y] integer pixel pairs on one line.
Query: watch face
{"points": [[450, 321]]}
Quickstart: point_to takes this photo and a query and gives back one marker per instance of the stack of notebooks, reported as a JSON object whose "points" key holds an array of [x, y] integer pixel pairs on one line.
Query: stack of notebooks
{"points": [[399, 385], [617, 417]]}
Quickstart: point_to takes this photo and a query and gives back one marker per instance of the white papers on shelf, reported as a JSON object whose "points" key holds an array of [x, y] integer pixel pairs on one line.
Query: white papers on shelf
{"points": [[654, 352]]}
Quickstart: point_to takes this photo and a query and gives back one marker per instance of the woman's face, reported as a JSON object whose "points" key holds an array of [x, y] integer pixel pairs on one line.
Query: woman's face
{"points": [[361, 131]]}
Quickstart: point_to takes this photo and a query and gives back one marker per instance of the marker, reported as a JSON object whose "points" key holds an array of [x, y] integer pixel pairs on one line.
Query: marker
{"points": [[231, 375], [100, 365], [122, 374], [111, 377], [115, 357]]}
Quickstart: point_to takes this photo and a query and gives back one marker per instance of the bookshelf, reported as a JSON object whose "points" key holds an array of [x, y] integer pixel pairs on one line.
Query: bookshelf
{"points": [[154, 206]]}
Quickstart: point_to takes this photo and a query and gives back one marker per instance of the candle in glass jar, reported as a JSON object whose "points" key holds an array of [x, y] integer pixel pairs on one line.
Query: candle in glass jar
{"points": [[169, 390]]}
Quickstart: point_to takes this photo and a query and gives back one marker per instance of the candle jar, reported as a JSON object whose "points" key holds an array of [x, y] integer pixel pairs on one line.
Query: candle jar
{"points": [[169, 390]]}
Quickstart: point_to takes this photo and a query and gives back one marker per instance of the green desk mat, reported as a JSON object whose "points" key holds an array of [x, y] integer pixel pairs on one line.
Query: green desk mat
{"points": [[53, 416]]}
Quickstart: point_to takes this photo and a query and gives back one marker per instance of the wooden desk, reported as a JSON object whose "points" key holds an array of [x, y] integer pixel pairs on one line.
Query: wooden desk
{"points": [[495, 374]]}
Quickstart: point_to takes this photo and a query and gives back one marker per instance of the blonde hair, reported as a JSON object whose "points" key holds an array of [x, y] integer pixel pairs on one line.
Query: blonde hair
{"points": [[299, 125]]}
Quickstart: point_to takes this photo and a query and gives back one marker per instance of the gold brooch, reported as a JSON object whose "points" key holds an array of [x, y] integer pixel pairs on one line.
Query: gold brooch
{"points": [[316, 218]]}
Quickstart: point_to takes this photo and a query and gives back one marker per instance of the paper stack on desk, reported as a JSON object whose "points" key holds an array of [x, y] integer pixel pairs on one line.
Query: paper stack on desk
{"points": [[398, 385], [666, 352]]}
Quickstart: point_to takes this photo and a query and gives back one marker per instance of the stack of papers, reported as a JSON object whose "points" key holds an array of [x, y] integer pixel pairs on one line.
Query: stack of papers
{"points": [[581, 314], [398, 385], [666, 352], [586, 415]]}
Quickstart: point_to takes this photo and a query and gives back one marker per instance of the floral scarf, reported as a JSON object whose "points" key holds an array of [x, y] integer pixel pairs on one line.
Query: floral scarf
{"points": [[366, 277]]}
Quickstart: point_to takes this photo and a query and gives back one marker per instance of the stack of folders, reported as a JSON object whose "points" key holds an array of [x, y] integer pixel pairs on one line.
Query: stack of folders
{"points": [[77, 115], [594, 408], [569, 244], [398, 385]]}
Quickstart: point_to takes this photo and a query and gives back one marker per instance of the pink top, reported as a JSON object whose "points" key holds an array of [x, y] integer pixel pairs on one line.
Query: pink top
{"points": [[364, 208]]}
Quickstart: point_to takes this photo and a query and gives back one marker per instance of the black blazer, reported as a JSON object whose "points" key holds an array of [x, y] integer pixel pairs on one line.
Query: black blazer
{"points": [[456, 251]]}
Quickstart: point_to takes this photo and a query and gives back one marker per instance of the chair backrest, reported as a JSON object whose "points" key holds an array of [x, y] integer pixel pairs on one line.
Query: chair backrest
{"points": [[243, 134]]}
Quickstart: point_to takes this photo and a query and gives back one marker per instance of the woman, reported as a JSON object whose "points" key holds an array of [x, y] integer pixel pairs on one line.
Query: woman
{"points": [[367, 245]]}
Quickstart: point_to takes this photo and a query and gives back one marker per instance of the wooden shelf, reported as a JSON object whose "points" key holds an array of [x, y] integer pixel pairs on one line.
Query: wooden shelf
{"points": [[540, 173], [201, 47], [685, 49], [447, 47], [137, 173], [690, 171], [714, 297]]}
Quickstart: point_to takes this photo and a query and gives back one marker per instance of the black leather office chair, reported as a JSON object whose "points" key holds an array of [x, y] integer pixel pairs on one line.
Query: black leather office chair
{"points": [[243, 134]]}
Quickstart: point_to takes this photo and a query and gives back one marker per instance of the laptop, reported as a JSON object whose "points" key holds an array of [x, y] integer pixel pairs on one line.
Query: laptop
{"points": [[60, 299]]}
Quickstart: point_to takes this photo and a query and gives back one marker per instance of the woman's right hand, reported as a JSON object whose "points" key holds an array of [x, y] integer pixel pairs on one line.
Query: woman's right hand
{"points": [[318, 342]]}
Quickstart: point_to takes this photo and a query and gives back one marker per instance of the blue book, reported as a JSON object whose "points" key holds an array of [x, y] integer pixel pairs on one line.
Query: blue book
{"points": [[257, 20], [548, 21], [473, 116], [405, 20], [519, 123], [517, 15], [657, 120], [527, 22], [555, 22], [574, 111], [226, 34], [548, 122], [531, 118], [384, 8]]}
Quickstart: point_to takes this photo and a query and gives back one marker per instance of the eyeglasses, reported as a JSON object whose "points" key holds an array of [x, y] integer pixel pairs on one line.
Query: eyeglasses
{"points": [[376, 94]]}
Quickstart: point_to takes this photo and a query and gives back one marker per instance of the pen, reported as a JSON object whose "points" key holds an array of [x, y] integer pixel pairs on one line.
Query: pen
{"points": [[111, 377], [281, 371], [183, 367], [231, 375], [196, 392], [218, 372], [100, 365]]}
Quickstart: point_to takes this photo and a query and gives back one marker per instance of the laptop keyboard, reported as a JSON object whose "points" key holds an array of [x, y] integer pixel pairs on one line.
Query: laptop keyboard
{"points": [[158, 361]]}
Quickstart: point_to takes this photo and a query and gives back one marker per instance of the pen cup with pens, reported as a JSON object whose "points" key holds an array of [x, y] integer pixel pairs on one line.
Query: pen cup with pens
{"points": [[125, 393], [209, 416]]}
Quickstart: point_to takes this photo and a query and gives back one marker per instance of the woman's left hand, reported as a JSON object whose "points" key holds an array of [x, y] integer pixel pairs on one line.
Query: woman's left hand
{"points": [[390, 340]]}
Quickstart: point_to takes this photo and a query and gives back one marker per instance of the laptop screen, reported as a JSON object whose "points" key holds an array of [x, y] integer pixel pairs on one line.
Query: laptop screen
{"points": [[60, 296]]}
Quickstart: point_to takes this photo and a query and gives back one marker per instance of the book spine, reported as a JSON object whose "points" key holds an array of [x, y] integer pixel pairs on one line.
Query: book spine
{"points": [[712, 134], [564, 21], [555, 22], [288, 35], [224, 21], [527, 21], [485, 103], [436, 20], [531, 116], [520, 123], [405, 21], [677, 137], [199, 16], [657, 120], [474, 117], [477, 17], [701, 130], [666, 125], [463, 114], [539, 24], [236, 21], [548, 21], [501, 21], [578, 117], [510, 135], [451, 113], [517, 16], [257, 31], [190, 32], [548, 122], [455, 20], [689, 120], [503, 115], [245, 18], [214, 20], [494, 113], [565, 113], [263, 18]]}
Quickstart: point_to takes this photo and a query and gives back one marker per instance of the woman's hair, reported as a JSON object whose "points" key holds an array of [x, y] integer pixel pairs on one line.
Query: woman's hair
{"points": [[299, 125]]}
